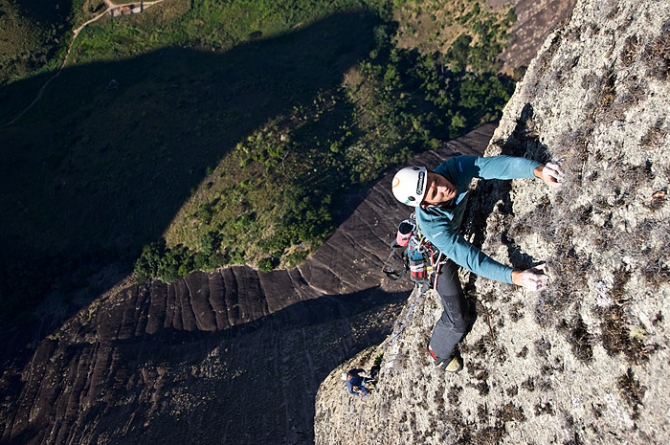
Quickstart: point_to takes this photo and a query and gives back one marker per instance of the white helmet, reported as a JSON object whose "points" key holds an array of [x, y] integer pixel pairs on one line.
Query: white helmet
{"points": [[409, 185]]}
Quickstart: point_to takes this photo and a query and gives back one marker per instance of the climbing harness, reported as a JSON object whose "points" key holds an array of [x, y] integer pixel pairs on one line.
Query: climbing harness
{"points": [[412, 251]]}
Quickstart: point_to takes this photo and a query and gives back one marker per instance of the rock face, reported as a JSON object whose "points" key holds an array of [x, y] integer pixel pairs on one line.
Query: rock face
{"points": [[232, 357], [535, 20], [584, 362]]}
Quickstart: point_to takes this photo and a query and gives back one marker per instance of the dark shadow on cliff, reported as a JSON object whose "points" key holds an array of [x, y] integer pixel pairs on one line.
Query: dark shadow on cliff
{"points": [[248, 384], [494, 195], [112, 151]]}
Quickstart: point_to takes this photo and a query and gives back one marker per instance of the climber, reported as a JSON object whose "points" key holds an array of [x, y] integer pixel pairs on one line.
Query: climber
{"points": [[355, 383], [440, 198]]}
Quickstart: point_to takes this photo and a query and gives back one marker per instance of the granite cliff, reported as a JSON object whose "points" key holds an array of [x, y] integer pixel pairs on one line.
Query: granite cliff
{"points": [[584, 362]]}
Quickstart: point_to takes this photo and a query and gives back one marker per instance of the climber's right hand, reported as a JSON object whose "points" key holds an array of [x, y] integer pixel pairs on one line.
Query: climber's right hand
{"points": [[551, 174], [532, 279]]}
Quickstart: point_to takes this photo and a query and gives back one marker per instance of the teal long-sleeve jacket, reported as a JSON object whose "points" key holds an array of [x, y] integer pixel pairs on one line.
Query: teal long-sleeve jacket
{"points": [[442, 224]]}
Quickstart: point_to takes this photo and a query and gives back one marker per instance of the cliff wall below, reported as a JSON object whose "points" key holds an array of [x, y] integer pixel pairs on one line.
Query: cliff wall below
{"points": [[232, 357]]}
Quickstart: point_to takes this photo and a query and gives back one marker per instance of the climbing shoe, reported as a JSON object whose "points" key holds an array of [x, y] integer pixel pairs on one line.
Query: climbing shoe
{"points": [[455, 364], [451, 364]]}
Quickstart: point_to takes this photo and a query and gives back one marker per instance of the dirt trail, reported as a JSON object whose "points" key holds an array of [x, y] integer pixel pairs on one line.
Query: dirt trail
{"points": [[110, 7]]}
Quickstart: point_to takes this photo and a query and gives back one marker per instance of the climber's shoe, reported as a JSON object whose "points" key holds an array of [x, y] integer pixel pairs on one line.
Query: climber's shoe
{"points": [[455, 364], [451, 364]]}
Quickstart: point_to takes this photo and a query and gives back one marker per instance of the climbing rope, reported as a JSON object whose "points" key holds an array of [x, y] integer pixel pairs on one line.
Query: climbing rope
{"points": [[424, 287]]}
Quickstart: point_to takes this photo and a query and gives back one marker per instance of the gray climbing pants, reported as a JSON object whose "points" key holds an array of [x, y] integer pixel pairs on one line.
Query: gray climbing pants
{"points": [[456, 319]]}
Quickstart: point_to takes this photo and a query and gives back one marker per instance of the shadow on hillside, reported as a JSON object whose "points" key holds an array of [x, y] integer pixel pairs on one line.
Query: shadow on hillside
{"points": [[254, 383], [113, 150]]}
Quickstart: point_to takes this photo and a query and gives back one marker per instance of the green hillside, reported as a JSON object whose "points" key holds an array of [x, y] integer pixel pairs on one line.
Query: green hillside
{"points": [[198, 134], [30, 34]]}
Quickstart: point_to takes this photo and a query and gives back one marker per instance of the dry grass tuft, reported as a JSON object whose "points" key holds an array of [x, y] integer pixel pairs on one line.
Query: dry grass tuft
{"points": [[509, 413], [657, 55], [632, 392], [542, 348], [454, 395], [607, 90], [616, 334], [634, 91], [579, 338], [516, 312], [528, 384], [655, 136], [629, 52]]}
